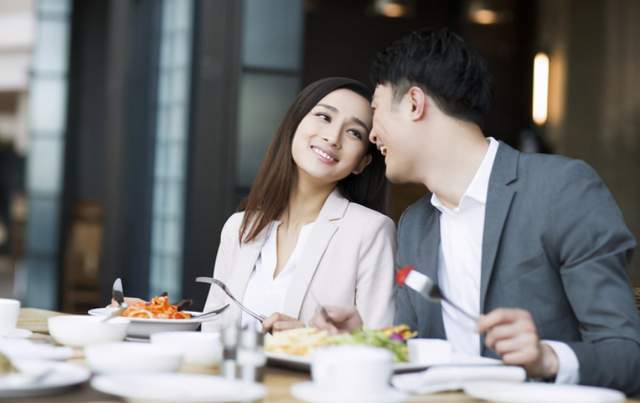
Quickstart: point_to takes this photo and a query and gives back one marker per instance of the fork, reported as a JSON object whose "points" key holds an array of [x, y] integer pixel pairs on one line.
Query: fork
{"points": [[210, 280], [323, 310]]}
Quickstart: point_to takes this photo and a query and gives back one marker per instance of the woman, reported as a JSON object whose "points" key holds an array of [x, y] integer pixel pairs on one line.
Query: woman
{"points": [[308, 234]]}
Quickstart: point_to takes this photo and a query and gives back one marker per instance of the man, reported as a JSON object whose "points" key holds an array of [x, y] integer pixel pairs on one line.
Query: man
{"points": [[533, 243]]}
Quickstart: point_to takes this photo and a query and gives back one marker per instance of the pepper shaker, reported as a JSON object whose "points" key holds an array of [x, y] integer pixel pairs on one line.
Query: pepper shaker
{"points": [[230, 337], [251, 357]]}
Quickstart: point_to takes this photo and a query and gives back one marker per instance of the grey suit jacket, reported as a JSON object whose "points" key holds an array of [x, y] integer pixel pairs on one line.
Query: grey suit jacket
{"points": [[555, 244]]}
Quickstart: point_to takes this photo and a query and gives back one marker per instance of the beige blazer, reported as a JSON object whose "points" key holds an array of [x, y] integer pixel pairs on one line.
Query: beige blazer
{"points": [[348, 259]]}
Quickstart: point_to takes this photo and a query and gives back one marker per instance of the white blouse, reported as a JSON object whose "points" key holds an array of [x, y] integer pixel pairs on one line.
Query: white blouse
{"points": [[265, 294]]}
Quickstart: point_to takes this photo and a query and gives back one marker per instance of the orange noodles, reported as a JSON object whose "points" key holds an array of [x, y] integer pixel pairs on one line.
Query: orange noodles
{"points": [[158, 308]]}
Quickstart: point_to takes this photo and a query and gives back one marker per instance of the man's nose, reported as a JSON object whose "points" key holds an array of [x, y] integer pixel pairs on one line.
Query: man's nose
{"points": [[373, 137]]}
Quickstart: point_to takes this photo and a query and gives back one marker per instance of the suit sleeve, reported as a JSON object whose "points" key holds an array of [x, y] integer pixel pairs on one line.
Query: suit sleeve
{"points": [[404, 310], [593, 248], [374, 288]]}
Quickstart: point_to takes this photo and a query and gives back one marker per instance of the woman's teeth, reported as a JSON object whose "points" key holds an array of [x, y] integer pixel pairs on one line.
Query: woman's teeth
{"points": [[323, 154]]}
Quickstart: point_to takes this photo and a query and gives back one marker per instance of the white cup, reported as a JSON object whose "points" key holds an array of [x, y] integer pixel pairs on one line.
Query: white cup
{"points": [[429, 351], [198, 348], [9, 311], [351, 371]]}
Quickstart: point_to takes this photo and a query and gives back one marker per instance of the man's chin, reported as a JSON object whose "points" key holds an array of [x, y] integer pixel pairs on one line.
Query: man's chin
{"points": [[395, 177]]}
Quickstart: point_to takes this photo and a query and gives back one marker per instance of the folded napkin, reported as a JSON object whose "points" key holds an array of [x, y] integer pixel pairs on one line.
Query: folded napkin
{"points": [[453, 377], [27, 349]]}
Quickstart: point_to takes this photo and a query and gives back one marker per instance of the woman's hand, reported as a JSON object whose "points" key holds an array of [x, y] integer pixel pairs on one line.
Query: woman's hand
{"points": [[279, 322], [337, 319], [129, 301]]}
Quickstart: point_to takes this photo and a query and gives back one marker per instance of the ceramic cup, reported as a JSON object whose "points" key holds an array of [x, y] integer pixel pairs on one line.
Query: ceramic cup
{"points": [[429, 351], [350, 371], [198, 348], [9, 311]]}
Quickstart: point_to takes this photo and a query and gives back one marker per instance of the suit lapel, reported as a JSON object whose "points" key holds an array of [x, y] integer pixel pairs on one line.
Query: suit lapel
{"points": [[499, 197], [316, 244], [429, 260], [249, 253]]}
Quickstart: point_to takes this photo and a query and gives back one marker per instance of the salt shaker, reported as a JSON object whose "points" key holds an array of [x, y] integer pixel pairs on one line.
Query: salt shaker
{"points": [[251, 357], [230, 337]]}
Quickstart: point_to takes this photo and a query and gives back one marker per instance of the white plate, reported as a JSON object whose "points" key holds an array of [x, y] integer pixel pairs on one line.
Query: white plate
{"points": [[63, 377], [445, 378], [541, 392], [143, 328], [21, 349], [17, 333], [303, 363], [166, 388], [309, 392]]}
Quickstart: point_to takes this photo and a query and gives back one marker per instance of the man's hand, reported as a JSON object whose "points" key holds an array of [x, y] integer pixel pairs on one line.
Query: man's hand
{"points": [[337, 319], [513, 335], [279, 322]]}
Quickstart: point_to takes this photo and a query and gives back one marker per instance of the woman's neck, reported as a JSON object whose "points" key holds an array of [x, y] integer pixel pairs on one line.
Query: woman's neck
{"points": [[305, 203]]}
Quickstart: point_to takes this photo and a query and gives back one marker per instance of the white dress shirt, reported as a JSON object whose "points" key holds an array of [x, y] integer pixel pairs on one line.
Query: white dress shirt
{"points": [[459, 268], [265, 294]]}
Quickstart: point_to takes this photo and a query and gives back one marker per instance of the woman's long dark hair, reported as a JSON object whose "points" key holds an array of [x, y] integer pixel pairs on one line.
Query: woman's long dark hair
{"points": [[269, 195]]}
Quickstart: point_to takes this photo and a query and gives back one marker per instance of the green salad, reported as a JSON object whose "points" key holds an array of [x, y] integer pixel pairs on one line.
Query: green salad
{"points": [[392, 338]]}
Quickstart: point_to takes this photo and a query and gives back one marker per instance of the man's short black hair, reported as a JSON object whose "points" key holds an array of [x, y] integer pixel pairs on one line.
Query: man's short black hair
{"points": [[443, 65]]}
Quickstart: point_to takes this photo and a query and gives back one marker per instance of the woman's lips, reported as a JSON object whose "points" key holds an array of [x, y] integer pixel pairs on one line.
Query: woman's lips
{"points": [[325, 156]]}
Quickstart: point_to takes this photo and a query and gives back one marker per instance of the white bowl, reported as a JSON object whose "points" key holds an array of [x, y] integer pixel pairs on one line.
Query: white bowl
{"points": [[198, 347], [83, 330], [132, 357]]}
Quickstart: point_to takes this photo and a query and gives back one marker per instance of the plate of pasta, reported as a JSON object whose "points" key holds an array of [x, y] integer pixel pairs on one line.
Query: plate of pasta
{"points": [[158, 315]]}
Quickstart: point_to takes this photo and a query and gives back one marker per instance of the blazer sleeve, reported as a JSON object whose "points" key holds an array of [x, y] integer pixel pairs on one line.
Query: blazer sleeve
{"points": [[593, 249], [374, 288], [404, 310], [215, 298]]}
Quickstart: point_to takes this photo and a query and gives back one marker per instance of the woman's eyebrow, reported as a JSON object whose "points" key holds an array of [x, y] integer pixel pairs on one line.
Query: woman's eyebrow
{"points": [[353, 119], [331, 108], [361, 123]]}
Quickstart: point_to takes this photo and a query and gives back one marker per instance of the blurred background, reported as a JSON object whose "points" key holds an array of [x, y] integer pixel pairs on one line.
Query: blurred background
{"points": [[131, 129]]}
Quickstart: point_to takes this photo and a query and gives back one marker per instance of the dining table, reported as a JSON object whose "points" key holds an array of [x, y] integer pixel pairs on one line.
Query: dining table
{"points": [[278, 381]]}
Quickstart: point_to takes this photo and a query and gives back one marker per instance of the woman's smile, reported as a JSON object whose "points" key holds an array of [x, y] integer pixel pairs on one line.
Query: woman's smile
{"points": [[325, 156]]}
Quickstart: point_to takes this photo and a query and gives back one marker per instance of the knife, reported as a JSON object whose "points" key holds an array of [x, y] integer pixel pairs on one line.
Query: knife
{"points": [[213, 312], [116, 292]]}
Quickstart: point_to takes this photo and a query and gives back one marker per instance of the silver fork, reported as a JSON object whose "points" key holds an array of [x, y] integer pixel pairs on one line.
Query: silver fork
{"points": [[210, 280], [323, 310]]}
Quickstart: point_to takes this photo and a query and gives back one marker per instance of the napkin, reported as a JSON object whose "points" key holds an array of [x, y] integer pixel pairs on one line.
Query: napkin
{"points": [[453, 377], [26, 349]]}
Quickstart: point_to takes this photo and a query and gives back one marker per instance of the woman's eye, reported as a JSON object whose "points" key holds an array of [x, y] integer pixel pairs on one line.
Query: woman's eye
{"points": [[324, 117], [355, 133]]}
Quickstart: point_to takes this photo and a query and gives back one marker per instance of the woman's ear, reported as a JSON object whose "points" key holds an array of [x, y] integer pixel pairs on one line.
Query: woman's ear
{"points": [[366, 160], [417, 103]]}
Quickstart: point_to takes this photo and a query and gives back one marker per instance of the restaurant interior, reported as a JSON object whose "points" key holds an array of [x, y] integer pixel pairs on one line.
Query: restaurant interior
{"points": [[130, 130]]}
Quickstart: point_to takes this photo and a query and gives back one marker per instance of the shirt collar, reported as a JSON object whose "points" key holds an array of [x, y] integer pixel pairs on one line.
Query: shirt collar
{"points": [[477, 189]]}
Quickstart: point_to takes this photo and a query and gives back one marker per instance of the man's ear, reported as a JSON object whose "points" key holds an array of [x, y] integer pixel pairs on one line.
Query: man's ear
{"points": [[417, 103], [364, 162]]}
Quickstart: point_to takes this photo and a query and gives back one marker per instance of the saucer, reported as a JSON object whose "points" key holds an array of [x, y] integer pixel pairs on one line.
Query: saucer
{"points": [[17, 333], [62, 377], [534, 392], [183, 388], [310, 392]]}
